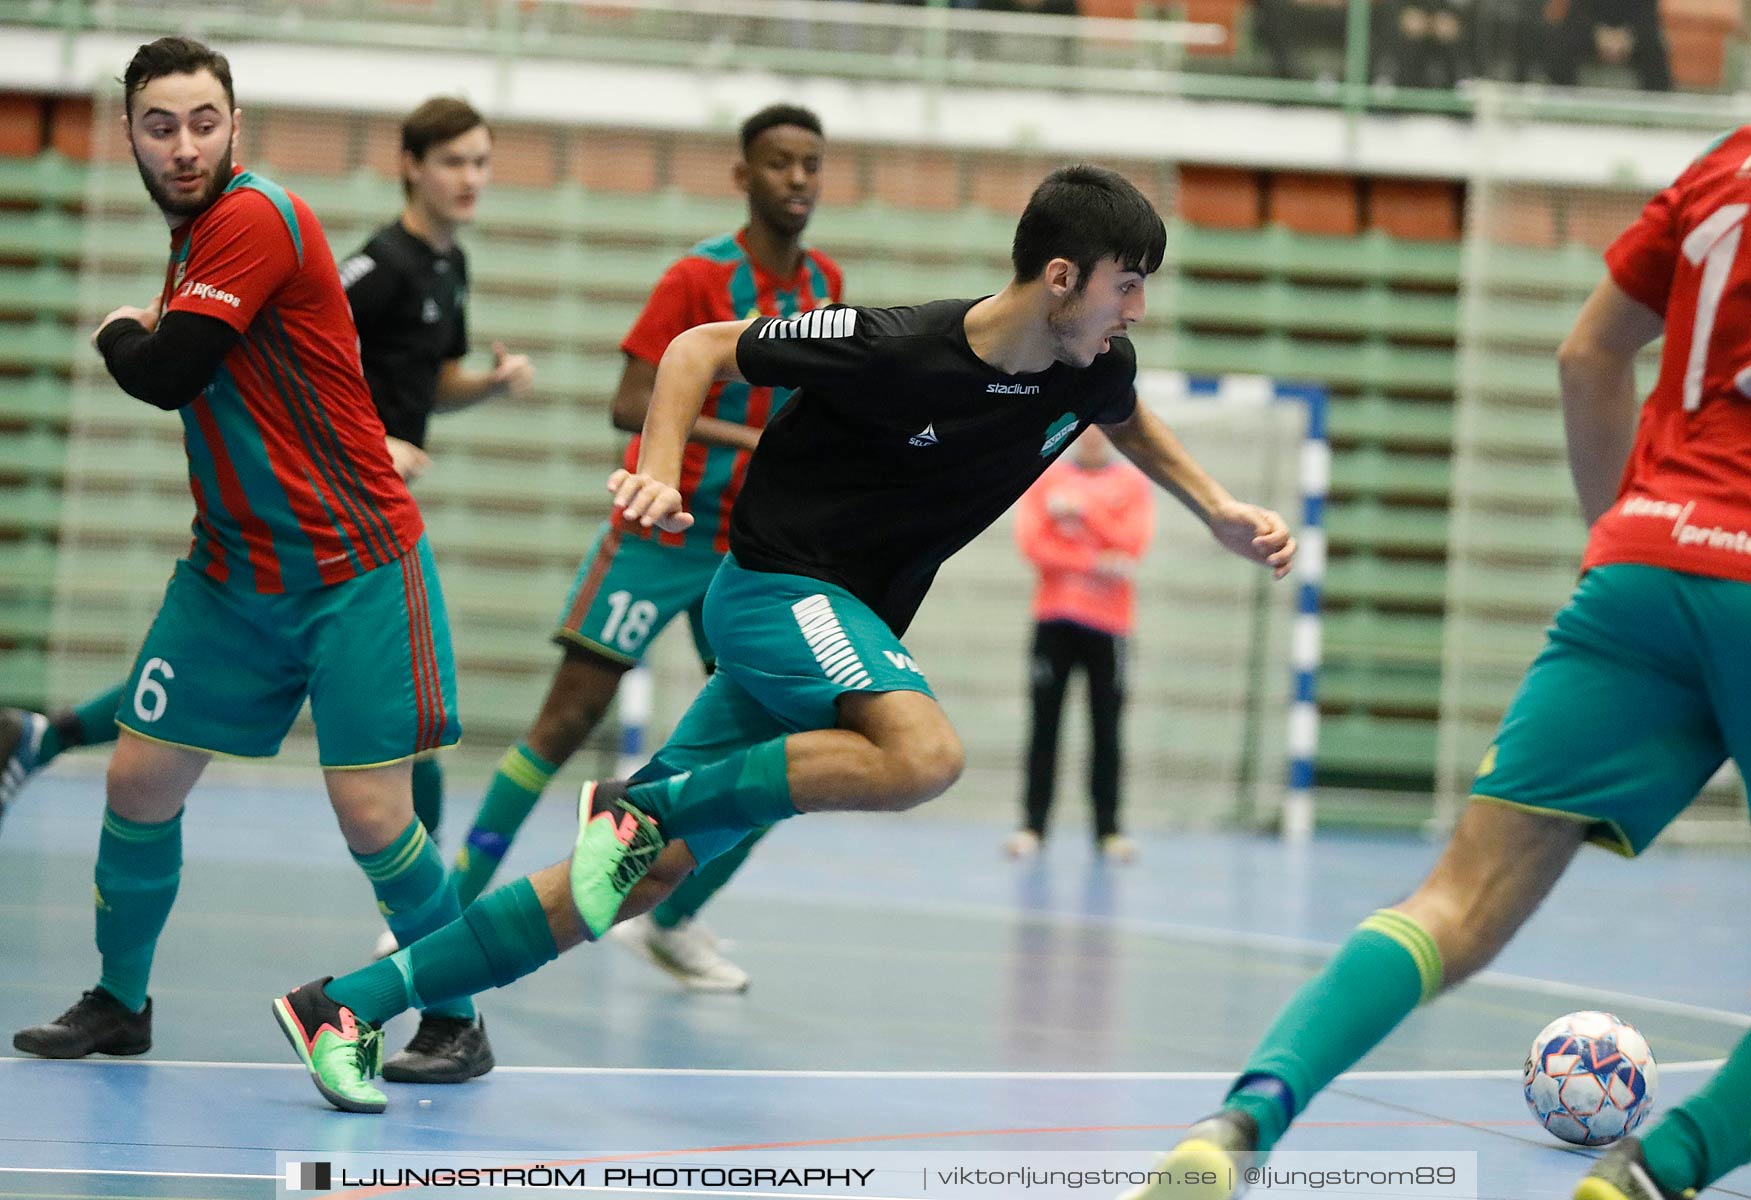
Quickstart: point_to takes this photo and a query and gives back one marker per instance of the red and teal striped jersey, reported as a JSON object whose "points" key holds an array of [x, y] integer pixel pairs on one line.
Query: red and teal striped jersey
{"points": [[718, 280], [292, 483]]}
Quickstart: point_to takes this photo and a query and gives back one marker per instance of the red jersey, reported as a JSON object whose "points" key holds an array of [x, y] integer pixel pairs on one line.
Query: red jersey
{"points": [[292, 483], [1115, 515], [718, 280], [1685, 498]]}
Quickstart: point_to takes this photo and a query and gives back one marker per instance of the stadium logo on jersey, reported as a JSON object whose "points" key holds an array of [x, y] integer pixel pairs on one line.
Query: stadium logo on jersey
{"points": [[925, 437], [1059, 433], [429, 311], [821, 323], [206, 291], [1012, 389]]}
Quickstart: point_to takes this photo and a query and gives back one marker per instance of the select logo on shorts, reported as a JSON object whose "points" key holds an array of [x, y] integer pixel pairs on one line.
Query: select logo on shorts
{"points": [[206, 291], [1060, 431], [309, 1177]]}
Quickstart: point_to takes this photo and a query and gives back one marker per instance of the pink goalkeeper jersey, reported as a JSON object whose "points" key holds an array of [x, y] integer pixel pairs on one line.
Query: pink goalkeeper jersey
{"points": [[1117, 515]]}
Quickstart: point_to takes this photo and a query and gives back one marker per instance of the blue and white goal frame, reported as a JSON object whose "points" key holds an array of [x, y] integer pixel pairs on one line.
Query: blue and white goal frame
{"points": [[1302, 738]]}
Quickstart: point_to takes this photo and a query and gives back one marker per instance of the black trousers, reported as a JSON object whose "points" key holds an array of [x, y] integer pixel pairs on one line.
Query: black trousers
{"points": [[1060, 647]]}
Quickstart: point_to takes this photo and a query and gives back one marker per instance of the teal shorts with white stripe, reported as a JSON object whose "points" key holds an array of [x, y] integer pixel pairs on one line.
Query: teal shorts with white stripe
{"points": [[795, 645]]}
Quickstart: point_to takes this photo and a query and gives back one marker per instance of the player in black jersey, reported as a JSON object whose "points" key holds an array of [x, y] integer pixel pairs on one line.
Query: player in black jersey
{"points": [[408, 288], [913, 429]]}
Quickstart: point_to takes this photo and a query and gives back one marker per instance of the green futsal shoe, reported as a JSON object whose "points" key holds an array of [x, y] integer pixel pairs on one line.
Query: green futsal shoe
{"points": [[1210, 1162], [340, 1051], [616, 846]]}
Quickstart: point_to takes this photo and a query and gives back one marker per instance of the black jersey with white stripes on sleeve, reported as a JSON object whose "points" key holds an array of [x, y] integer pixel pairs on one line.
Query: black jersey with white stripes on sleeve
{"points": [[901, 445]]}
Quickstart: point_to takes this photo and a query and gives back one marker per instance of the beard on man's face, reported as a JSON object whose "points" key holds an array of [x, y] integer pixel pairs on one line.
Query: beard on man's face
{"points": [[186, 206]]}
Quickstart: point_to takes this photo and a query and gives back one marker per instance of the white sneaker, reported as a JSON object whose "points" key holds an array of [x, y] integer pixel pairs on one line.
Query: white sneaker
{"points": [[1023, 843], [386, 945], [688, 952], [1117, 848]]}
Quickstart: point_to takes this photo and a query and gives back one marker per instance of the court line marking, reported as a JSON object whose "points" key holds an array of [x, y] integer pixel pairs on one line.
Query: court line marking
{"points": [[1700, 1064], [1246, 939]]}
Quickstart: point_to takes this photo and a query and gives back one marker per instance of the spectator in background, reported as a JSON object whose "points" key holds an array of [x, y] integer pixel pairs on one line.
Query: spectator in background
{"points": [[1608, 31], [1293, 27], [1083, 525], [1429, 42]]}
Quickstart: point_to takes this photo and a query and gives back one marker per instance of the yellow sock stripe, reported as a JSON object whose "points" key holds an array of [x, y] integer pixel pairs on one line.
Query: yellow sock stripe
{"points": [[516, 767], [380, 872], [1416, 942]]}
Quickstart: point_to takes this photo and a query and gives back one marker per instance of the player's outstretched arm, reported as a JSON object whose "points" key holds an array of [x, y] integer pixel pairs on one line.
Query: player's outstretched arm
{"points": [[1596, 367], [693, 362], [1254, 533], [459, 386], [632, 400]]}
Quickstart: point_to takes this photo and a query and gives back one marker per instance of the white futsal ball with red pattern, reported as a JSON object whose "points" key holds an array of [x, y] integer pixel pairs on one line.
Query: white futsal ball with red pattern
{"points": [[1590, 1078]]}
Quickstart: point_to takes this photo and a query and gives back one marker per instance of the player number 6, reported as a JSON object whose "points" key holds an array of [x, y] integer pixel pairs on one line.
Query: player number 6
{"points": [[150, 698]]}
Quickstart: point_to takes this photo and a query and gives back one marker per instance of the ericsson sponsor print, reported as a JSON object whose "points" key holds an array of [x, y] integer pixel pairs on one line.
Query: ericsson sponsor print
{"points": [[206, 291]]}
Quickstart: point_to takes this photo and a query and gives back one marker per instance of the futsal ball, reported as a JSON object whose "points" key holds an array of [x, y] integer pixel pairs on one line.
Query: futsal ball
{"points": [[1590, 1078]]}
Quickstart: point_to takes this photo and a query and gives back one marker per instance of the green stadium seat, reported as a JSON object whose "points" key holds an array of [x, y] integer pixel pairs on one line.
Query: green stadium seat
{"points": [[1399, 688], [1371, 471], [1372, 746], [40, 396], [46, 180], [1570, 270], [39, 344], [1278, 251], [26, 674], [44, 288], [1359, 634], [1278, 305], [1365, 579], [46, 234], [1378, 418], [1367, 524], [30, 507], [37, 453]]}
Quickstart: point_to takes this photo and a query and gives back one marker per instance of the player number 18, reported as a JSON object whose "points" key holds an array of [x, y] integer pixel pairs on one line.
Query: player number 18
{"points": [[629, 621]]}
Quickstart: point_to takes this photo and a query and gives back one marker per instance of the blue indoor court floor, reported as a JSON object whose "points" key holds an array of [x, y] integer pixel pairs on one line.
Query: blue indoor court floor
{"points": [[916, 999]]}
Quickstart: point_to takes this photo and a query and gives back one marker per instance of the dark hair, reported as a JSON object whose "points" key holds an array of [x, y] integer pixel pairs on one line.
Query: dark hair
{"points": [[174, 56], [1086, 213], [438, 120], [774, 115]]}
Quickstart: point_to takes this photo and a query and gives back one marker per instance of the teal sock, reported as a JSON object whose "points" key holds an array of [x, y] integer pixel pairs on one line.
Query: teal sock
{"points": [[1387, 967], [138, 869], [744, 792], [692, 893], [1709, 1134], [414, 893], [91, 724], [509, 799], [428, 793], [501, 938]]}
